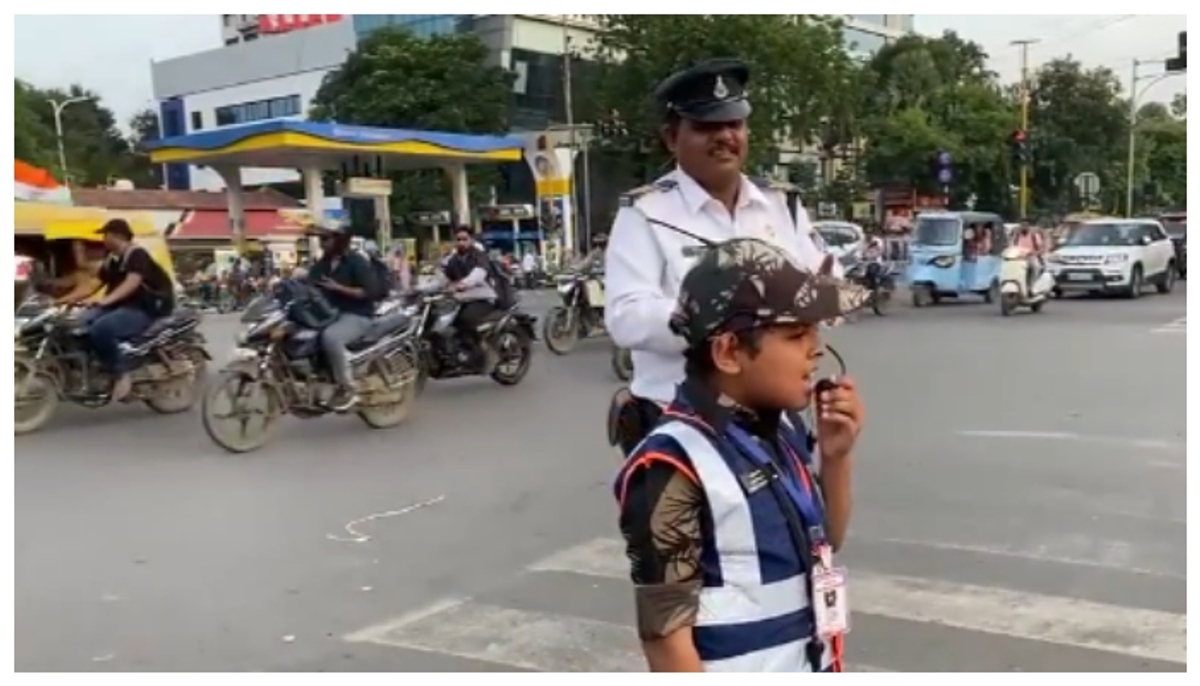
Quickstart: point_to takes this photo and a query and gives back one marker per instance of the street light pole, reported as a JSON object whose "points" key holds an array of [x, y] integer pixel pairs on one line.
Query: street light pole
{"points": [[1135, 96], [58, 108]]}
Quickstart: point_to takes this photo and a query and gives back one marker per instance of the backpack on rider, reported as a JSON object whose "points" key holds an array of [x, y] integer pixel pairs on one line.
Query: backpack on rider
{"points": [[506, 292], [384, 279]]}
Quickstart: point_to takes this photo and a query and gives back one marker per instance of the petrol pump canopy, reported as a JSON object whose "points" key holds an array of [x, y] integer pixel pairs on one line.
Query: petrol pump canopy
{"points": [[299, 144]]}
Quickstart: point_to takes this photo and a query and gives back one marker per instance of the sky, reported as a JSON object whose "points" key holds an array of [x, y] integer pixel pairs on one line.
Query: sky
{"points": [[111, 54]]}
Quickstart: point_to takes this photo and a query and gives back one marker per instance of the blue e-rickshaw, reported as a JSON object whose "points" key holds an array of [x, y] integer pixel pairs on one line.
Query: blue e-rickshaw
{"points": [[954, 254]]}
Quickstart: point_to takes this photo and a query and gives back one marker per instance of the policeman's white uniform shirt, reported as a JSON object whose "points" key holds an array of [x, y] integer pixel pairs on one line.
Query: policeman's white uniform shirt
{"points": [[645, 264]]}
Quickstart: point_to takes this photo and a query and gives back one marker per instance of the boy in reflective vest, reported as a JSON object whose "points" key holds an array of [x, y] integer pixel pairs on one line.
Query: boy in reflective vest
{"points": [[729, 529]]}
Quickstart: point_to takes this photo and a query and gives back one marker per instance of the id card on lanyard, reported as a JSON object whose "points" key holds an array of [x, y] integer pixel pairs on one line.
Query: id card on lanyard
{"points": [[829, 600]]}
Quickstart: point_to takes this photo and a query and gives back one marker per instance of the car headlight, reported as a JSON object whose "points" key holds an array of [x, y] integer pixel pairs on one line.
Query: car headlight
{"points": [[1053, 259], [943, 261], [1116, 259]]}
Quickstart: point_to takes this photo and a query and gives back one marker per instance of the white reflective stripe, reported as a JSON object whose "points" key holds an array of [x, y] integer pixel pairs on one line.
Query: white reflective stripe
{"points": [[739, 604], [737, 549], [789, 657]]}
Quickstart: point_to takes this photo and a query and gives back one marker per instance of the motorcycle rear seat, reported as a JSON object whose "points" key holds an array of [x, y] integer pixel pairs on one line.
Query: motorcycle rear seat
{"points": [[380, 327]]}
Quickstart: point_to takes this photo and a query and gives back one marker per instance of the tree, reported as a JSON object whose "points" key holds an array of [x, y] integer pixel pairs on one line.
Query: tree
{"points": [[143, 128], [1079, 124], [797, 62], [34, 141], [1162, 140], [398, 80], [922, 96]]}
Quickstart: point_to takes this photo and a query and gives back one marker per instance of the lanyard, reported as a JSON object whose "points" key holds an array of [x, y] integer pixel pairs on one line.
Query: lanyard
{"points": [[805, 499]]}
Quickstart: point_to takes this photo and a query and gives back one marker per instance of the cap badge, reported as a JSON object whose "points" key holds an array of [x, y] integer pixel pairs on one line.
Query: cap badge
{"points": [[720, 91]]}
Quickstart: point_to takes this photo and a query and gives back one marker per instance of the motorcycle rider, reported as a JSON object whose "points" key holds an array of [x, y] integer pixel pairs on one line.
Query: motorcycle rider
{"points": [[1031, 242], [595, 257], [137, 291], [349, 283], [466, 270]]}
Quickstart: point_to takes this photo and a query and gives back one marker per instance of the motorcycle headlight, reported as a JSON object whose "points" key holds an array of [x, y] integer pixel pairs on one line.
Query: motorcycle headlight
{"points": [[1116, 259], [943, 261]]}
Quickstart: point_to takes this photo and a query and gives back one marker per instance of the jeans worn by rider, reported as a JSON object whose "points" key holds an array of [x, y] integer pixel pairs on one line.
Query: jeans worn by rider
{"points": [[108, 327], [354, 318], [469, 269]]}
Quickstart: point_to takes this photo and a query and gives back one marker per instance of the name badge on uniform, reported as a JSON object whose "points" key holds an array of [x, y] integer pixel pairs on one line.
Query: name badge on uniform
{"points": [[830, 606], [692, 251]]}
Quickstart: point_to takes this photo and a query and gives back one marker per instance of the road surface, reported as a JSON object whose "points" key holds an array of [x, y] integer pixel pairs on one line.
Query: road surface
{"points": [[1020, 506]]}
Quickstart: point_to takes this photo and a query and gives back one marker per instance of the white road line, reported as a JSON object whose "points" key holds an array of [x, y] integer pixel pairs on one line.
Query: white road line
{"points": [[1179, 326], [521, 639], [1137, 443], [1065, 621]]}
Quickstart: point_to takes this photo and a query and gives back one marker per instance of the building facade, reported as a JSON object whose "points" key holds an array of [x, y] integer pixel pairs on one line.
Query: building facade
{"points": [[272, 76], [273, 65]]}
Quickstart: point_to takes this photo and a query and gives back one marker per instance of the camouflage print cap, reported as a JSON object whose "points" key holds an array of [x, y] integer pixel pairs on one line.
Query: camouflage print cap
{"points": [[746, 283]]}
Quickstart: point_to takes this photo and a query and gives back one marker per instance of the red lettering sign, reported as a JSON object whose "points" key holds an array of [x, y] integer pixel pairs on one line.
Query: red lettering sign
{"points": [[285, 23]]}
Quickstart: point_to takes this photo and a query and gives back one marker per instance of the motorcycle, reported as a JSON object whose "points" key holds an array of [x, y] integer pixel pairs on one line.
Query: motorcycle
{"points": [[279, 369], [55, 362], [445, 353], [878, 278], [622, 363], [580, 315], [1015, 289]]}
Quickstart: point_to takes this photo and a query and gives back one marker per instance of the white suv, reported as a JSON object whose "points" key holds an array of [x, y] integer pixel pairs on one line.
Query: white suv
{"points": [[1114, 255]]}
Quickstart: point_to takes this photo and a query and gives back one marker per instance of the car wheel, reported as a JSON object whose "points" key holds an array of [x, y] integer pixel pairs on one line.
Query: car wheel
{"points": [[1167, 282], [1135, 283]]}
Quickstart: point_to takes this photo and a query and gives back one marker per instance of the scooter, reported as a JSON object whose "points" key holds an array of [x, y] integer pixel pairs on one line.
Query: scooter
{"points": [[1014, 283]]}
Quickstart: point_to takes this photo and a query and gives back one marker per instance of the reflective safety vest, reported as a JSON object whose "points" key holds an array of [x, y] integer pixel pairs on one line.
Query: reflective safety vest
{"points": [[755, 613]]}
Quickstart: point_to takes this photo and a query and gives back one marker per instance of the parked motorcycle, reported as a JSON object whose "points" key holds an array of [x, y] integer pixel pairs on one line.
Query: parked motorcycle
{"points": [[446, 353], [279, 369], [580, 315], [55, 362], [879, 278]]}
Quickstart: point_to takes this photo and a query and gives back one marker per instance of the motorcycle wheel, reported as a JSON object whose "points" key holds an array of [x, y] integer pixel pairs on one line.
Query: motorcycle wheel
{"points": [[622, 363], [36, 399], [385, 416], [240, 388], [880, 299], [516, 350], [1008, 303], [561, 331], [180, 395]]}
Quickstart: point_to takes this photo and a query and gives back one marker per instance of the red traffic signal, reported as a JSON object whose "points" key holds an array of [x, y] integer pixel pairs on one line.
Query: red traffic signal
{"points": [[1018, 136]]}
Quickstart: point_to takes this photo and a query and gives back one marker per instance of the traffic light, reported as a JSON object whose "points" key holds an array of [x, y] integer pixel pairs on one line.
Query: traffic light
{"points": [[1179, 63], [1018, 147], [942, 167]]}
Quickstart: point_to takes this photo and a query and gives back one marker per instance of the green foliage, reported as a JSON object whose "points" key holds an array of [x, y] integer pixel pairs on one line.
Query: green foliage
{"points": [[97, 151], [797, 63], [398, 80]]}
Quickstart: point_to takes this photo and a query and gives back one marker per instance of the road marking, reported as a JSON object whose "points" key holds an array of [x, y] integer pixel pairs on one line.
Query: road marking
{"points": [[1065, 621], [522, 639], [353, 535], [1140, 443], [1179, 326]]}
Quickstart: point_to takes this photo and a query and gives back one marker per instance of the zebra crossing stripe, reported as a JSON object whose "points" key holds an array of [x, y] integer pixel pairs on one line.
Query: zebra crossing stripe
{"points": [[1137, 632]]}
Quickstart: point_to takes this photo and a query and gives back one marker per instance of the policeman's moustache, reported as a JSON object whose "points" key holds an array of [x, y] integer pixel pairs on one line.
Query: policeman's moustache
{"points": [[823, 384]]}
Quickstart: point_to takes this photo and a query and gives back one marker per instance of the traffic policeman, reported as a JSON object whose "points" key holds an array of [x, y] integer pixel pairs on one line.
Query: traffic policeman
{"points": [[707, 195], [729, 528]]}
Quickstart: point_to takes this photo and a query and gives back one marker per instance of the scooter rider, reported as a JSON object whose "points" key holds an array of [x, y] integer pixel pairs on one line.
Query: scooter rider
{"points": [[705, 129], [1031, 242]]}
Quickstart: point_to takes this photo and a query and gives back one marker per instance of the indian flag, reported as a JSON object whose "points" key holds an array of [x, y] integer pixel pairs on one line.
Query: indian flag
{"points": [[38, 185]]}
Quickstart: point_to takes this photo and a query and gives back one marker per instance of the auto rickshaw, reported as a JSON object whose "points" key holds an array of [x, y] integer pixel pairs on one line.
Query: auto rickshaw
{"points": [[955, 254]]}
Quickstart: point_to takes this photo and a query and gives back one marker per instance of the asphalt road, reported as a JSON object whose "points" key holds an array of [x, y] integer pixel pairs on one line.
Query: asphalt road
{"points": [[1020, 506]]}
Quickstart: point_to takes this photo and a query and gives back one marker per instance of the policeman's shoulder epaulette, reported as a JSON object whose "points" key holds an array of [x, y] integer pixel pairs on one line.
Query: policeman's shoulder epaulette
{"points": [[628, 198]]}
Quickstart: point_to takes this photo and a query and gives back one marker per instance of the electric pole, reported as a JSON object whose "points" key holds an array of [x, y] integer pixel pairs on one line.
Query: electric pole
{"points": [[1023, 188]]}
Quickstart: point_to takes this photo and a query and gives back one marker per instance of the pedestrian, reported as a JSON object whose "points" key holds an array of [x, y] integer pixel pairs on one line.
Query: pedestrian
{"points": [[401, 268], [704, 128], [729, 528]]}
